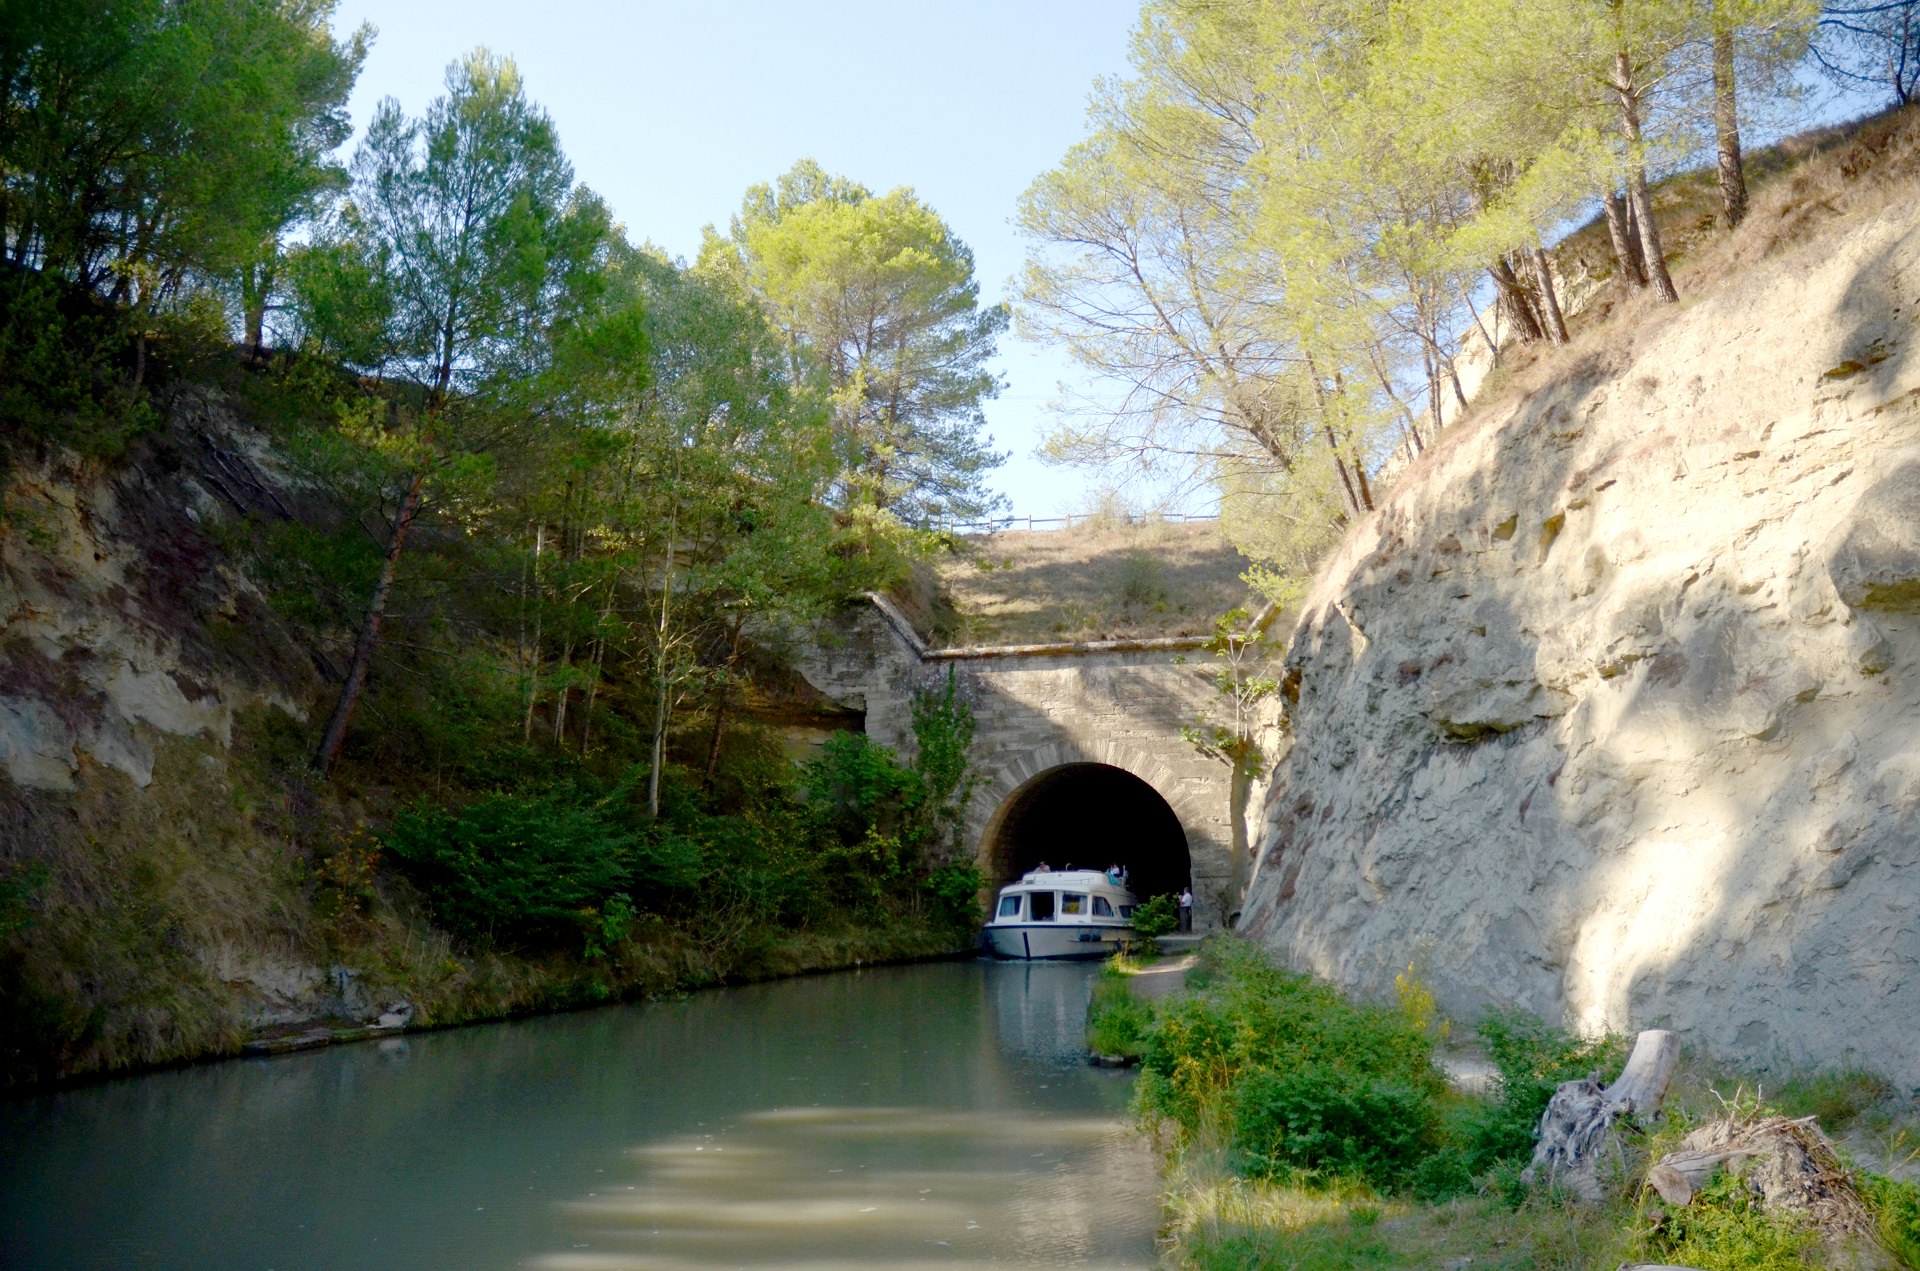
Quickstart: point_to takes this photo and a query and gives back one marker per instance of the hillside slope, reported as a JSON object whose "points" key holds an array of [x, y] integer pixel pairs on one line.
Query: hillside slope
{"points": [[1613, 709], [1101, 579]]}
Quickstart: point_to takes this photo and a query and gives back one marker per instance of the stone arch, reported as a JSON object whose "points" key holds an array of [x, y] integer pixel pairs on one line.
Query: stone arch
{"points": [[1061, 805]]}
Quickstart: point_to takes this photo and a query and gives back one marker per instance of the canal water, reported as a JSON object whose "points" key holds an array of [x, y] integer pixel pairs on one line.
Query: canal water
{"points": [[938, 1116]]}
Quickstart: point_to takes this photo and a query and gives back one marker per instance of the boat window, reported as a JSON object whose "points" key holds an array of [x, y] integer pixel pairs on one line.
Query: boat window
{"points": [[1040, 906], [1101, 909], [1072, 903], [1126, 911], [1009, 906]]}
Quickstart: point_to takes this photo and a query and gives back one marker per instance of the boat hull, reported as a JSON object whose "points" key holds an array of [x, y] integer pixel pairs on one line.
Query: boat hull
{"points": [[1054, 941]]}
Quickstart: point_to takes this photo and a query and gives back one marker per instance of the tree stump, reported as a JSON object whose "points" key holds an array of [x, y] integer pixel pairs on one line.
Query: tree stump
{"points": [[1790, 1166], [1577, 1130]]}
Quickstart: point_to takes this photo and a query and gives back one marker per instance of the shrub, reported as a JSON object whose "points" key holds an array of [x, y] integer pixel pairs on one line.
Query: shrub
{"points": [[1296, 1077], [517, 868], [1325, 1119], [1140, 580], [859, 787], [1153, 919], [955, 890], [68, 367], [1531, 1058], [608, 927]]}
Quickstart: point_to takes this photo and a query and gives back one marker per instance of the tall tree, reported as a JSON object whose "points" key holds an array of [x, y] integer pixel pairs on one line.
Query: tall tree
{"points": [[1187, 253], [1239, 652], [1726, 121], [463, 249], [706, 517], [164, 135], [879, 294]]}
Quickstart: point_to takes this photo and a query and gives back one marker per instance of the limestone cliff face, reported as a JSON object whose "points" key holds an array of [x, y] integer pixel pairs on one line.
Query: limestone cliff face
{"points": [[134, 653], [1612, 711], [121, 619]]}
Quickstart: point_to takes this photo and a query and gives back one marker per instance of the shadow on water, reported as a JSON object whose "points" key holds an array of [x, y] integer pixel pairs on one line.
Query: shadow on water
{"points": [[939, 1114]]}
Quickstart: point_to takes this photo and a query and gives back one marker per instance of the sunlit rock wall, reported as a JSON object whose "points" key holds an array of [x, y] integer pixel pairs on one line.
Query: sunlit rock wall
{"points": [[1613, 710]]}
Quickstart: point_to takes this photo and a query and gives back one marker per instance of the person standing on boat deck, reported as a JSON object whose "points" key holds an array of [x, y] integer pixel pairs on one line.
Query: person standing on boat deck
{"points": [[1186, 909]]}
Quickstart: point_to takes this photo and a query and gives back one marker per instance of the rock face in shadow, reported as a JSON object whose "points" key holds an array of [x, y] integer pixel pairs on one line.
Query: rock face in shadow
{"points": [[1612, 711], [122, 619]]}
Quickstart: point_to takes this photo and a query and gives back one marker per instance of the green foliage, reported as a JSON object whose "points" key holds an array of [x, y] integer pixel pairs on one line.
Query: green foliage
{"points": [[67, 368], [520, 869], [148, 142], [879, 295], [955, 891], [1726, 1227], [1238, 648], [1155, 917], [942, 762], [1896, 1209], [312, 576], [1836, 1097], [466, 236], [1117, 1019], [1323, 1118], [1531, 1058], [1297, 1078], [859, 786], [885, 823], [1269, 238], [608, 927]]}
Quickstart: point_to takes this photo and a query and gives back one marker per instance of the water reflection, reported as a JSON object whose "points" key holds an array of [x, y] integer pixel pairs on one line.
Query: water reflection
{"points": [[936, 1115]]}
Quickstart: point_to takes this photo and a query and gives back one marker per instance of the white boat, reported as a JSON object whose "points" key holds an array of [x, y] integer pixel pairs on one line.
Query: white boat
{"points": [[1067, 913]]}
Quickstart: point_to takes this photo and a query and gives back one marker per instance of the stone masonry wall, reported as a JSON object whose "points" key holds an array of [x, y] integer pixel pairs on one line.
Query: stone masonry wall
{"points": [[1036, 708]]}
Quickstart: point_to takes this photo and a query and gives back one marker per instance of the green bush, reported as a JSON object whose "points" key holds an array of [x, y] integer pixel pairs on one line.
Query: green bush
{"points": [[1297, 1077], [1531, 1058], [859, 786], [68, 367], [1154, 918], [526, 869], [1325, 1119], [955, 891]]}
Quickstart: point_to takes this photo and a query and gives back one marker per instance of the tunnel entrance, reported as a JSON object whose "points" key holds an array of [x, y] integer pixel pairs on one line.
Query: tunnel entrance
{"points": [[1090, 816]]}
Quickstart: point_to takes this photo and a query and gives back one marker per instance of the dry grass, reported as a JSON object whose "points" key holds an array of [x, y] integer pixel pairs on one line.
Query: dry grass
{"points": [[1095, 582], [1216, 1221]]}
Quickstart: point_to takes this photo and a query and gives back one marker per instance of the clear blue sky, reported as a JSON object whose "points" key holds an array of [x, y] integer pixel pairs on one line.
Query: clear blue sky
{"points": [[671, 110]]}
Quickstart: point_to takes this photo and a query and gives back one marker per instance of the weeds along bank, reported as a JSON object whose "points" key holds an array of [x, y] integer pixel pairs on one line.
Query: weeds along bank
{"points": [[1302, 1129], [174, 877]]}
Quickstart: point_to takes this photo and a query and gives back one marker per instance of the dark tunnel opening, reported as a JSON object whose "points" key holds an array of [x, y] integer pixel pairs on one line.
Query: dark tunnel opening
{"points": [[1090, 816]]}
